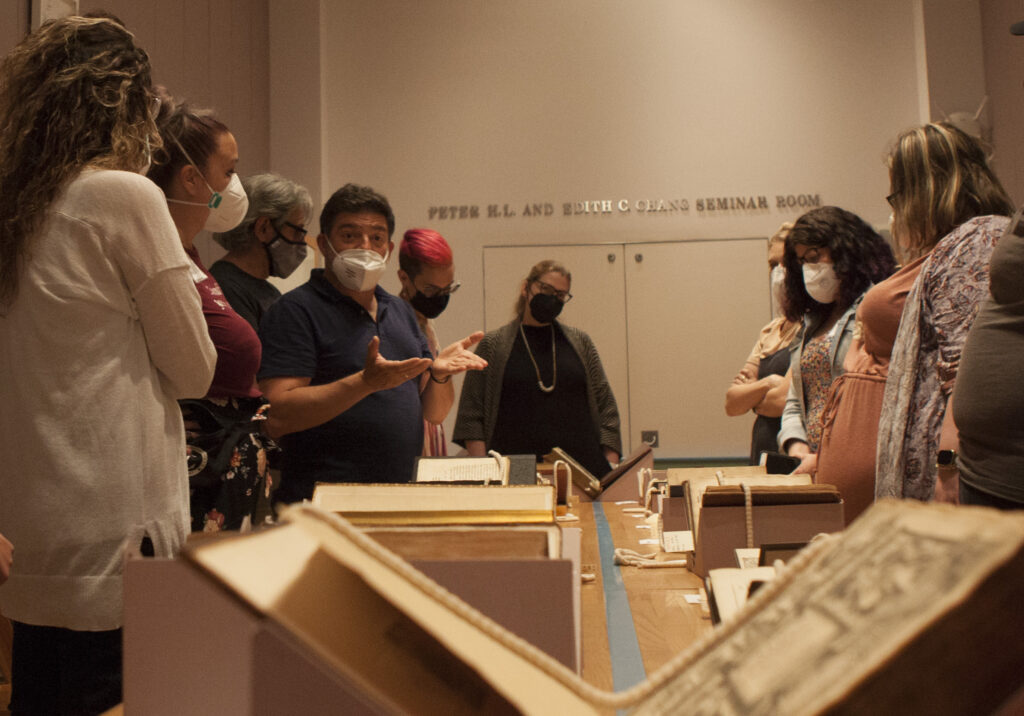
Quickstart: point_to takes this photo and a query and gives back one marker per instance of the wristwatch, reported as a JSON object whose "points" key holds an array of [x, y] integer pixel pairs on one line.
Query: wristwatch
{"points": [[945, 458]]}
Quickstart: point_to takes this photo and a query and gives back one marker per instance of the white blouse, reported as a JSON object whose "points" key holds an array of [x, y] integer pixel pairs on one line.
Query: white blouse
{"points": [[105, 333]]}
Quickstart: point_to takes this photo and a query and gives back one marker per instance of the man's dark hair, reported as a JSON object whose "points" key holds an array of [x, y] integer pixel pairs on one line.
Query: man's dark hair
{"points": [[859, 255], [352, 199]]}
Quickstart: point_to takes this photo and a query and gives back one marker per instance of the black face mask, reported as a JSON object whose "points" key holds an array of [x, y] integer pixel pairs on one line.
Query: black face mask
{"points": [[430, 306], [545, 308]]}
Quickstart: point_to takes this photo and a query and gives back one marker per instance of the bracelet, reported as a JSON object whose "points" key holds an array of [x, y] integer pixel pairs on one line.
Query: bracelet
{"points": [[446, 378]]}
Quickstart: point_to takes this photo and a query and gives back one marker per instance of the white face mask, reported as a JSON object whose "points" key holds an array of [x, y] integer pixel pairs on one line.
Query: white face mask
{"points": [[778, 284], [226, 209], [358, 269], [821, 282]]}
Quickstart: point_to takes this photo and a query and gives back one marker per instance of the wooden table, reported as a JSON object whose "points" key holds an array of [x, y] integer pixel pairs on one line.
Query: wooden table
{"points": [[664, 622]]}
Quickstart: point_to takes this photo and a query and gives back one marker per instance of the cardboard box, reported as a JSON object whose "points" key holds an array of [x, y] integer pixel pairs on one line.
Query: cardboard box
{"points": [[723, 529], [193, 646]]}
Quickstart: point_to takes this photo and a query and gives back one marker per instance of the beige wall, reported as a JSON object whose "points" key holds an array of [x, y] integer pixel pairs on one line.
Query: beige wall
{"points": [[454, 102], [13, 23], [465, 103], [214, 54], [1004, 77]]}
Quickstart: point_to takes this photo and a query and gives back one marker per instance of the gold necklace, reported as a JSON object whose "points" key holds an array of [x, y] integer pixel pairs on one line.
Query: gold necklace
{"points": [[554, 365]]}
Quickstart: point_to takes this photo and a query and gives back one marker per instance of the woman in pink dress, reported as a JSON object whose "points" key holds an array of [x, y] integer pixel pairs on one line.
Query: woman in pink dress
{"points": [[944, 196]]}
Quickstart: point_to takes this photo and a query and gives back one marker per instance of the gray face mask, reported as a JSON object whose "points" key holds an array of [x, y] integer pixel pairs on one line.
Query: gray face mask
{"points": [[285, 256]]}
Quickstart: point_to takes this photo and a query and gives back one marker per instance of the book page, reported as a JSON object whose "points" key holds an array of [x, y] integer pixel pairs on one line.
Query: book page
{"points": [[462, 469]]}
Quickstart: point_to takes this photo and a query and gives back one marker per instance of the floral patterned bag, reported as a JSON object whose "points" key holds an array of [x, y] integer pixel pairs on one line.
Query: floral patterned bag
{"points": [[227, 460]]}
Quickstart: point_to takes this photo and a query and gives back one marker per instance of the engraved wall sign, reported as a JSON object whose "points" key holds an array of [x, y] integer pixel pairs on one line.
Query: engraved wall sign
{"points": [[704, 205]]}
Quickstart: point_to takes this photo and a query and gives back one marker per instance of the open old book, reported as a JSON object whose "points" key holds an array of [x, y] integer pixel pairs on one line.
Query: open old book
{"points": [[485, 470], [494, 469], [910, 611], [593, 487]]}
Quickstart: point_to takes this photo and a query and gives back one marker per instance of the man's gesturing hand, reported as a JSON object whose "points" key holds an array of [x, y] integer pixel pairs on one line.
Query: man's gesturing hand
{"points": [[379, 373]]}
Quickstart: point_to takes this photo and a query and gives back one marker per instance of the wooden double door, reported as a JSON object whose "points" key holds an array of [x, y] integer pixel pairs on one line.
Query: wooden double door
{"points": [[672, 321]]}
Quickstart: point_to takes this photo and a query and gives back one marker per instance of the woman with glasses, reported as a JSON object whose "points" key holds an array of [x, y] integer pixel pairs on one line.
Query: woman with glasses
{"points": [[227, 450], [101, 330], [831, 258], [427, 273], [544, 386], [951, 209], [270, 241]]}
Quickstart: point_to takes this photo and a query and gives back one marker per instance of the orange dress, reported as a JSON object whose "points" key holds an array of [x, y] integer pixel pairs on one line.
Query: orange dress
{"points": [[846, 456]]}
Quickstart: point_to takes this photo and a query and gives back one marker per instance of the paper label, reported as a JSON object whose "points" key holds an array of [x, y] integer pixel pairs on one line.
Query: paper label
{"points": [[679, 541], [747, 557]]}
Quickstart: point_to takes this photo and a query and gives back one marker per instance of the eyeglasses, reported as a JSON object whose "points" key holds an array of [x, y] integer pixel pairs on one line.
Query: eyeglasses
{"points": [[431, 291], [300, 233], [548, 289], [811, 256]]}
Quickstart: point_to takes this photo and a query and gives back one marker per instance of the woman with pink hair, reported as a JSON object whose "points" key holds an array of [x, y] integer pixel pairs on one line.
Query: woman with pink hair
{"points": [[427, 272]]}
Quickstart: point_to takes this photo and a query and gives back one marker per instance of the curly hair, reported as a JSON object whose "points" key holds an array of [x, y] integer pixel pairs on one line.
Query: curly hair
{"points": [[74, 93], [270, 195], [860, 258], [539, 269], [939, 178]]}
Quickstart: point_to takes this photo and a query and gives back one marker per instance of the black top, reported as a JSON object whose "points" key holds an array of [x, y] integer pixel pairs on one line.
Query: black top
{"points": [[765, 435], [531, 421], [248, 295]]}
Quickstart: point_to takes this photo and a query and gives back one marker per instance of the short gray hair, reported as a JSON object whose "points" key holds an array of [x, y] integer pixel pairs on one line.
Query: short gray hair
{"points": [[270, 195]]}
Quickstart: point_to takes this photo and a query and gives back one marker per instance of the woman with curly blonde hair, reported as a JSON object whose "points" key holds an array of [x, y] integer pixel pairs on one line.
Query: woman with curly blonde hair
{"points": [[100, 331]]}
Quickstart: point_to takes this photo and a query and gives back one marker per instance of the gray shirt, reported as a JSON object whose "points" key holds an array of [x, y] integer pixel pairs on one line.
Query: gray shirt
{"points": [[988, 400]]}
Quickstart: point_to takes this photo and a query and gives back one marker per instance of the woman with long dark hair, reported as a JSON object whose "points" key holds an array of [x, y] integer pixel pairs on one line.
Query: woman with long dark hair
{"points": [[832, 257]]}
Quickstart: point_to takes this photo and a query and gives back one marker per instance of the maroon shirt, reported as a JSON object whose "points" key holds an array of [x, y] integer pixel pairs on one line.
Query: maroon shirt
{"points": [[238, 346]]}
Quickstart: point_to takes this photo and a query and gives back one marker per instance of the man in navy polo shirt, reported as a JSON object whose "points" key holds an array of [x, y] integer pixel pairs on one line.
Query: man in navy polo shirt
{"points": [[345, 367]]}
